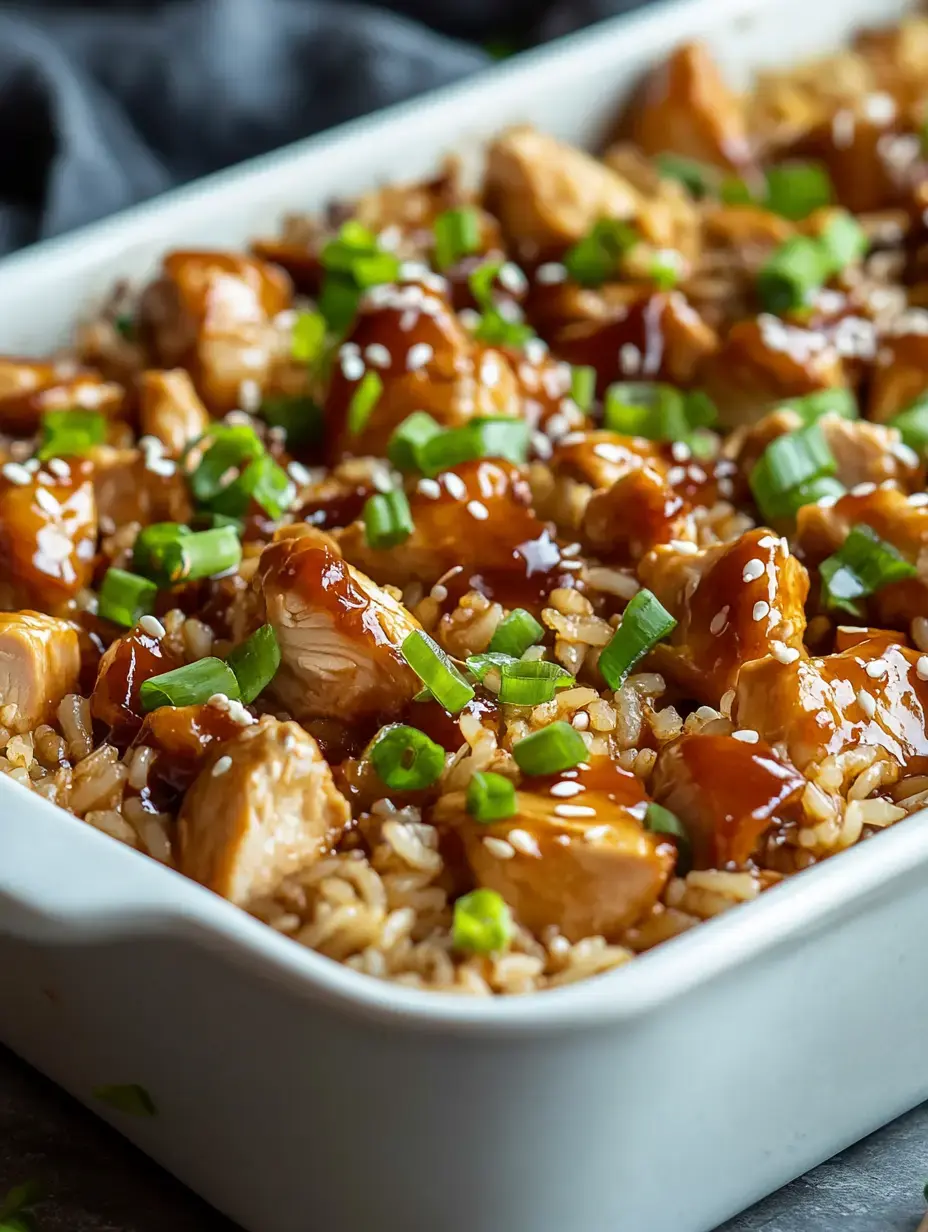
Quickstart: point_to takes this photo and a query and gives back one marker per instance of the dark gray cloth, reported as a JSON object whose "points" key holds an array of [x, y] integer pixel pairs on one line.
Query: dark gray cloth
{"points": [[102, 106]]}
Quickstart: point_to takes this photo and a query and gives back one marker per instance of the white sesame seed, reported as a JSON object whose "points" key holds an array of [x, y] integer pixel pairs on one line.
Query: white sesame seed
{"points": [[377, 355], [783, 653], [842, 128], [59, 467], [542, 445], [418, 356], [233, 708], [47, 502], [536, 350], [676, 475], [866, 703], [768, 541], [551, 273], [524, 842], [880, 108], [921, 667], [574, 810], [557, 426], [152, 625], [429, 487], [566, 787], [512, 278], [684, 547], [760, 610], [876, 669], [161, 466], [17, 474], [478, 510], [490, 370], [454, 485], [863, 489], [629, 358], [719, 621], [352, 366], [32, 465], [746, 735], [680, 451], [249, 395], [221, 766], [499, 847], [468, 317], [752, 570]]}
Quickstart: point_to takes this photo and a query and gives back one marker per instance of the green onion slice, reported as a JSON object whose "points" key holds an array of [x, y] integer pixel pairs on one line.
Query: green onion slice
{"points": [[263, 482], [795, 189], [69, 434], [481, 438], [550, 750], [363, 400], [843, 241], [405, 759], [231, 447], [490, 797], [913, 424], [205, 553], [127, 1097], [482, 923], [863, 564], [645, 622], [481, 665], [825, 487], [825, 402], [789, 462], [387, 519], [338, 302], [516, 632], [125, 597], [595, 258], [696, 177], [308, 337], [457, 235], [154, 547], [495, 329], [532, 682], [255, 662], [660, 820], [583, 385], [19, 1201], [407, 440], [646, 408], [299, 417], [436, 671], [665, 268], [481, 281], [356, 255], [791, 275], [190, 685]]}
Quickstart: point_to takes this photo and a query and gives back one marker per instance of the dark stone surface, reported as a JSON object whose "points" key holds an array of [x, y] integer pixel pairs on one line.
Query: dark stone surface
{"points": [[96, 1182]]}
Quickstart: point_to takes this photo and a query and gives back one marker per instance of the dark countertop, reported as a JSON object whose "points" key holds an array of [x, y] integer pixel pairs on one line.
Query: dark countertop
{"points": [[99, 1183]]}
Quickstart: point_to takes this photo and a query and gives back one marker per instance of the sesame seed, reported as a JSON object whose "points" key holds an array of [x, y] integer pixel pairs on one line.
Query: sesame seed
{"points": [[152, 625], [551, 273], [161, 466], [524, 842], [876, 669], [32, 465], [59, 467], [676, 475], [16, 473], [680, 451], [47, 502], [768, 541], [221, 766], [429, 487], [866, 703], [574, 810], [536, 350], [595, 833], [499, 847], [753, 570], [378, 355], [921, 667], [566, 787], [760, 610], [454, 485], [352, 366], [233, 708], [478, 510], [880, 108], [418, 356], [629, 358], [557, 426], [512, 278], [746, 735], [490, 370], [842, 128], [468, 317], [783, 653], [684, 547], [249, 395], [719, 621], [299, 473], [863, 489]]}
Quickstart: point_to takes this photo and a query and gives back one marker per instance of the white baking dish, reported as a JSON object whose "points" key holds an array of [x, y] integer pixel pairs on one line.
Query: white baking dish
{"points": [[295, 1094]]}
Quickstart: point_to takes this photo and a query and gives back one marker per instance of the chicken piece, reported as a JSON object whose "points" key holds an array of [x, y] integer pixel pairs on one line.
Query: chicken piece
{"points": [[180, 739], [170, 410], [733, 602], [821, 530], [30, 387], [897, 55], [411, 340], [816, 707], [213, 313], [575, 855], [864, 452], [764, 362], [263, 807], [40, 661], [637, 513], [48, 535], [685, 107], [339, 635], [726, 792], [600, 458], [476, 523], [640, 335], [847, 636], [128, 662], [136, 486], [900, 373], [548, 195], [670, 217]]}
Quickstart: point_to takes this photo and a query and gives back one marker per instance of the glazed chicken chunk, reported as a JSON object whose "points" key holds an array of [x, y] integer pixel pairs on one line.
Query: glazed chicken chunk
{"points": [[40, 662], [170, 410], [263, 807]]}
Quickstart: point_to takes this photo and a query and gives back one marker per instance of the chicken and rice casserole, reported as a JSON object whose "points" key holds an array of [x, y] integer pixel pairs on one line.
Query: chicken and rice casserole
{"points": [[482, 586]]}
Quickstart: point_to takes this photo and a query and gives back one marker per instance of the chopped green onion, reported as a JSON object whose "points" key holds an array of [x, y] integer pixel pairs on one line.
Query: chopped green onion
{"points": [[596, 257], [787, 463], [436, 671], [696, 177], [338, 302], [69, 434], [215, 521], [532, 682], [913, 424], [153, 548], [457, 235], [701, 411], [357, 255], [308, 337], [583, 385], [733, 190], [231, 447], [124, 324], [190, 685], [481, 665], [127, 1097], [263, 482], [482, 923], [824, 487], [407, 440], [299, 416], [481, 280], [255, 662], [363, 400], [516, 632], [795, 189], [186, 558], [798, 268], [843, 241], [824, 402], [19, 1201], [490, 797], [660, 820], [644, 623], [125, 597], [497, 330], [405, 759], [550, 750], [863, 564], [481, 438], [664, 268], [387, 519], [646, 408]]}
